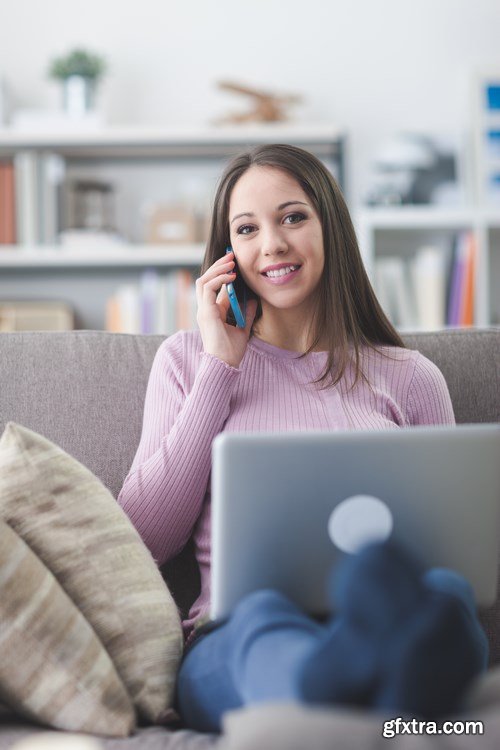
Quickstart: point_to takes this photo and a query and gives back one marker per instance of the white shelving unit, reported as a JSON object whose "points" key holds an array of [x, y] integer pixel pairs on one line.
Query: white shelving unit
{"points": [[85, 279], [400, 231], [126, 256]]}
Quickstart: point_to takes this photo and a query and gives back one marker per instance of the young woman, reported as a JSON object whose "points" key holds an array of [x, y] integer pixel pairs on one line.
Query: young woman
{"points": [[317, 352]]}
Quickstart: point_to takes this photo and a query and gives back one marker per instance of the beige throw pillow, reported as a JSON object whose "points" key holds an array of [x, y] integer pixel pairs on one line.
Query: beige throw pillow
{"points": [[53, 668], [73, 523]]}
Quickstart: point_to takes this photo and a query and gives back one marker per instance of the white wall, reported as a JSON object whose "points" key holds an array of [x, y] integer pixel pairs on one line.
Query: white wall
{"points": [[374, 67]]}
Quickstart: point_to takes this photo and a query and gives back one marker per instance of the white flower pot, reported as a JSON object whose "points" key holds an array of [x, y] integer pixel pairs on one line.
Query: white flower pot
{"points": [[78, 96]]}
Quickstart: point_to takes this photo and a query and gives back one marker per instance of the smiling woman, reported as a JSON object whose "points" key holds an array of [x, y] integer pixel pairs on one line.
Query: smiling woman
{"points": [[280, 253], [279, 207], [313, 352]]}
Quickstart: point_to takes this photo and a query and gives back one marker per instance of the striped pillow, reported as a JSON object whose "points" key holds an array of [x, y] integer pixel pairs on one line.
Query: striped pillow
{"points": [[53, 668], [75, 526]]}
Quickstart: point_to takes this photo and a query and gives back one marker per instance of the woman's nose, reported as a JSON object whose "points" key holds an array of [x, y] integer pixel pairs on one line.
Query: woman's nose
{"points": [[272, 242]]}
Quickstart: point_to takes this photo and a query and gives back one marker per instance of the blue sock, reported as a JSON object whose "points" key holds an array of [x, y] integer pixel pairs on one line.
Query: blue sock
{"points": [[399, 641], [373, 591], [449, 582]]}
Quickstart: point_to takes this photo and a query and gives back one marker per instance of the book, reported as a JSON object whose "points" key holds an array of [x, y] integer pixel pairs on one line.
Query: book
{"points": [[7, 204], [26, 197], [128, 300], [394, 291], [51, 173], [468, 284], [457, 277], [157, 304], [166, 305], [148, 295], [428, 269], [113, 315]]}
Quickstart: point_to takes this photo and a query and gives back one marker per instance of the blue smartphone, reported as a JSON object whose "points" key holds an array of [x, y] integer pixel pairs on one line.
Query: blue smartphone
{"points": [[237, 293]]}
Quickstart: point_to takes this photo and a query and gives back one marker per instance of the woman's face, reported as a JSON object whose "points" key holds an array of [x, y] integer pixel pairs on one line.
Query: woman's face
{"points": [[277, 239]]}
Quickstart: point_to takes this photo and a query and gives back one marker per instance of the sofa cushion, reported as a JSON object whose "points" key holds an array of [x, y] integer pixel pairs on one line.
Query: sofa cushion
{"points": [[74, 525], [53, 668]]}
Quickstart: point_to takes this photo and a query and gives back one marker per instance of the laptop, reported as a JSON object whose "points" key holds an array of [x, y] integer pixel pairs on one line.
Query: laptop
{"points": [[286, 507]]}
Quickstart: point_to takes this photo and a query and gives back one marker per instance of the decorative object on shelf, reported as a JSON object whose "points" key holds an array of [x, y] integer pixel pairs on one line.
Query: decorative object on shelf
{"points": [[79, 71], [92, 205], [414, 169], [90, 216], [266, 107], [168, 225]]}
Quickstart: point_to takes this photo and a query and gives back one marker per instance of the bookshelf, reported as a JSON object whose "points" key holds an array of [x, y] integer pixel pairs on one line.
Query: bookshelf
{"points": [[402, 242], [145, 165], [400, 233], [486, 136]]}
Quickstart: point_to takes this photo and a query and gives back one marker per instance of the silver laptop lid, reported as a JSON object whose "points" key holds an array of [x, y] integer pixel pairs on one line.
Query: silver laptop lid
{"points": [[286, 506]]}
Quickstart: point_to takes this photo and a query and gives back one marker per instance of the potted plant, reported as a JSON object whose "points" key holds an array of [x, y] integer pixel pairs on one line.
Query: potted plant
{"points": [[79, 71]]}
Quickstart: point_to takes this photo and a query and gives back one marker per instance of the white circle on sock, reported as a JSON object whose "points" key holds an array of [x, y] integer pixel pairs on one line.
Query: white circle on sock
{"points": [[359, 520]]}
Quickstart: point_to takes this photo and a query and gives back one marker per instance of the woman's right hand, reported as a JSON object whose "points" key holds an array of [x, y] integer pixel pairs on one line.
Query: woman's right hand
{"points": [[224, 341]]}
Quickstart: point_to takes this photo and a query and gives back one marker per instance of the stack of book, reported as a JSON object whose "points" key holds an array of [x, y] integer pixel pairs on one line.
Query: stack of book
{"points": [[158, 304], [30, 198], [431, 290]]}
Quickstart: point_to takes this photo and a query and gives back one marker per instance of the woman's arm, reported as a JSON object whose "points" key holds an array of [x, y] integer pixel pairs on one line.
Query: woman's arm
{"points": [[428, 399], [164, 490]]}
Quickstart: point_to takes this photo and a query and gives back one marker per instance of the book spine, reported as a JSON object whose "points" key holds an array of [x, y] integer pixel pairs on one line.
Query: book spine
{"points": [[430, 286], [456, 283], [3, 204], [26, 197], [10, 206], [7, 204], [467, 302], [148, 295]]}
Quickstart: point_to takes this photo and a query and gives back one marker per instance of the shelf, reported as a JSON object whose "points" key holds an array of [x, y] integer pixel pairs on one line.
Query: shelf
{"points": [[136, 256], [130, 142], [428, 217], [145, 164], [420, 217], [490, 119]]}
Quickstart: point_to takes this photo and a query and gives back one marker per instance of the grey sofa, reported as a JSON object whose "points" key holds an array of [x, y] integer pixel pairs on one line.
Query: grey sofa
{"points": [[85, 391]]}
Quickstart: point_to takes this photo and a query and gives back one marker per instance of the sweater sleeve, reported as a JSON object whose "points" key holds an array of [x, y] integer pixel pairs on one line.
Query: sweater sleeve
{"points": [[429, 401], [164, 490]]}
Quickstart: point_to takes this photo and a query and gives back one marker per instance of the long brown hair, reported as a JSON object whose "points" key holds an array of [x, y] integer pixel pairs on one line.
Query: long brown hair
{"points": [[348, 312]]}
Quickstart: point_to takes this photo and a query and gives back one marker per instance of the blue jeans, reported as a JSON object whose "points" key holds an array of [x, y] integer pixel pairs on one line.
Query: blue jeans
{"points": [[259, 654]]}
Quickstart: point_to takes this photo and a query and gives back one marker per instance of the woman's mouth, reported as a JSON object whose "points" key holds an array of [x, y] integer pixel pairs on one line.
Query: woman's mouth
{"points": [[281, 275]]}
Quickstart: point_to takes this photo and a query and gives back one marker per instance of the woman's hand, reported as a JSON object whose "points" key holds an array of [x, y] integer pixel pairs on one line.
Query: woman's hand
{"points": [[224, 341]]}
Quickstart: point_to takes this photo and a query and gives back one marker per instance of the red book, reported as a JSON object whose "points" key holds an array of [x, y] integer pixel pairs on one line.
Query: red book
{"points": [[7, 205]]}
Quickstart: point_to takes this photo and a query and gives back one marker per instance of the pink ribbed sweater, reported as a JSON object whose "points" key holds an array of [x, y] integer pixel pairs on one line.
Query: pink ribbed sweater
{"points": [[192, 396]]}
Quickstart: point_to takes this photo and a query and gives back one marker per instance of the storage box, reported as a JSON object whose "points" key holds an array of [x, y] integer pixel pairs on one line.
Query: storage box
{"points": [[35, 316]]}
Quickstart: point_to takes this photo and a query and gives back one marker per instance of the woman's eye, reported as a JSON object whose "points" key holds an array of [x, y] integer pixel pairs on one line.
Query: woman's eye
{"points": [[243, 229], [295, 217]]}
